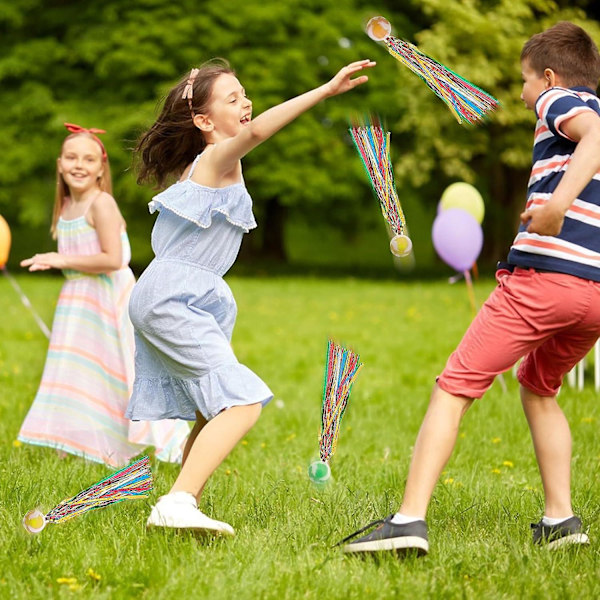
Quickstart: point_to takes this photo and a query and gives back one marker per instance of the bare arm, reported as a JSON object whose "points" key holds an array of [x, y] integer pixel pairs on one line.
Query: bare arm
{"points": [[584, 164], [108, 222], [227, 153]]}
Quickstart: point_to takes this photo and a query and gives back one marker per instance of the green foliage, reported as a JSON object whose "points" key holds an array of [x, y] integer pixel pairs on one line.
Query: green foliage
{"points": [[481, 41], [286, 528], [107, 64]]}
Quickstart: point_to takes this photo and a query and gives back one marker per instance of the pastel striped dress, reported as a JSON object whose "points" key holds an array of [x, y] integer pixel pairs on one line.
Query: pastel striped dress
{"points": [[88, 376]]}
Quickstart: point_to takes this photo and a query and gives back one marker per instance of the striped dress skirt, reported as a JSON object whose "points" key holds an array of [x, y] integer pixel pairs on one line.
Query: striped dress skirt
{"points": [[88, 376]]}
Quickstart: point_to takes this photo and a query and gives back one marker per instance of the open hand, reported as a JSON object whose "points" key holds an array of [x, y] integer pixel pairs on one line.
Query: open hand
{"points": [[342, 83], [43, 262], [543, 220]]}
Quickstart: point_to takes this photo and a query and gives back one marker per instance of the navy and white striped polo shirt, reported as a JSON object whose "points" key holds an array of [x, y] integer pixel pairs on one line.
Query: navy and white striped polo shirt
{"points": [[576, 250]]}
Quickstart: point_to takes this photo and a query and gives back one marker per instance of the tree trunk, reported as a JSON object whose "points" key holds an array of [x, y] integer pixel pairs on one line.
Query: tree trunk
{"points": [[268, 241], [273, 234]]}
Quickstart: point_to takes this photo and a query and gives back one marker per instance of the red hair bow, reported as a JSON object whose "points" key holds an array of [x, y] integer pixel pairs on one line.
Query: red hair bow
{"points": [[92, 131]]}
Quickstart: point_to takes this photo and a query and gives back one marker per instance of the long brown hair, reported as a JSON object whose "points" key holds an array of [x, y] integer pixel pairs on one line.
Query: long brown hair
{"points": [[62, 189], [174, 141]]}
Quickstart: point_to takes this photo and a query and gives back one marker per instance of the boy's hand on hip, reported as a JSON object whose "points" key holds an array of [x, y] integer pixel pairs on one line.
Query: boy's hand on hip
{"points": [[543, 220]]}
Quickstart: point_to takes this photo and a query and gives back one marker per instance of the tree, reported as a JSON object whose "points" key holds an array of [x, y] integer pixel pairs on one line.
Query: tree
{"points": [[481, 40], [105, 64]]}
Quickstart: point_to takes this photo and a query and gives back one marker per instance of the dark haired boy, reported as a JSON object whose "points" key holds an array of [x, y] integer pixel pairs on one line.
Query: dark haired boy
{"points": [[546, 307]]}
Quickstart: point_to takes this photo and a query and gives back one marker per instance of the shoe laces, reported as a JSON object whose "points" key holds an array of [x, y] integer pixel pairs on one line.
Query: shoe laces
{"points": [[363, 529]]}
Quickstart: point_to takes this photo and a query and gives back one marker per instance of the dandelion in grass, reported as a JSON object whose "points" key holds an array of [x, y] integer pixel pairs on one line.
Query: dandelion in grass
{"points": [[496, 440], [130, 483], [587, 420], [341, 370], [508, 463], [496, 471], [93, 575]]}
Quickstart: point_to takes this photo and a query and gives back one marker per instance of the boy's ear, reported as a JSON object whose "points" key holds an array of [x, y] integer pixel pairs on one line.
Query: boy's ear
{"points": [[551, 78], [203, 123]]}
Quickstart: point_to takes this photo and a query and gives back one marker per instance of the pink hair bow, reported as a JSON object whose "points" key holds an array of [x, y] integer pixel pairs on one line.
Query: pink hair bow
{"points": [[92, 131], [188, 91]]}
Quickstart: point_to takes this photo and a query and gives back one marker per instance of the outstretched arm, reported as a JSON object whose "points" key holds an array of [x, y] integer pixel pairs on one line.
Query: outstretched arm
{"points": [[108, 222], [227, 153], [584, 164]]}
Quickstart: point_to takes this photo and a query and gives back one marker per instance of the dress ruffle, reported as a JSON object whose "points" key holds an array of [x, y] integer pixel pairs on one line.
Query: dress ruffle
{"points": [[174, 398], [197, 203]]}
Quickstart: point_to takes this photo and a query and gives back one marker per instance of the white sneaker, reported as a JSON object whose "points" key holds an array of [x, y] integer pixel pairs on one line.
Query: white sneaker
{"points": [[179, 510]]}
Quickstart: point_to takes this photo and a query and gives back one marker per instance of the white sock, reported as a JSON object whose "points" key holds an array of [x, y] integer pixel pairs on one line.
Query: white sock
{"points": [[550, 521], [400, 519], [182, 497]]}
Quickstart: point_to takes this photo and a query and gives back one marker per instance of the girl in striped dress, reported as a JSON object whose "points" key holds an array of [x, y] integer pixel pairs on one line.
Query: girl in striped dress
{"points": [[88, 376]]}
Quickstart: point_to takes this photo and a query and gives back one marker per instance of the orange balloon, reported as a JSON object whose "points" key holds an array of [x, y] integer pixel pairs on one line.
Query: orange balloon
{"points": [[4, 241]]}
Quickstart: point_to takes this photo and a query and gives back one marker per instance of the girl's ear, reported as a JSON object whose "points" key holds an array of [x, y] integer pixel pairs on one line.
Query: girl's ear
{"points": [[58, 165], [203, 123]]}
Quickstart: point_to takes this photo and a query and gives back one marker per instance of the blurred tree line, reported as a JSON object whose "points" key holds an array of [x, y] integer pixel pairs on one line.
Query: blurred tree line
{"points": [[108, 63]]}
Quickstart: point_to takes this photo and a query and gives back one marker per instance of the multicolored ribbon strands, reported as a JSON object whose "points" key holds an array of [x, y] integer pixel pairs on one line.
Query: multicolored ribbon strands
{"points": [[130, 483], [341, 371], [466, 101], [373, 145]]}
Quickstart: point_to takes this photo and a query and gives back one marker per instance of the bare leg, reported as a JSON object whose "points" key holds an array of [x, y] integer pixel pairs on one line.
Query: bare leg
{"points": [[552, 443], [198, 425], [212, 444], [433, 448]]}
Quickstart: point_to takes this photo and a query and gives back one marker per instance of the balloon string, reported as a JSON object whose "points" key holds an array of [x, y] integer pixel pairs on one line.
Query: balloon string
{"points": [[26, 302], [470, 291]]}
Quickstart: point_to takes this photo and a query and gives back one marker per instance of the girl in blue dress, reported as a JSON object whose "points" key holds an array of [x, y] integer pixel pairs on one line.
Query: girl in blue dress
{"points": [[182, 309]]}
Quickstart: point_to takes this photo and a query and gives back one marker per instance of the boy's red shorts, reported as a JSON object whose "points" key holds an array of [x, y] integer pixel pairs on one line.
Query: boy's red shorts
{"points": [[551, 319]]}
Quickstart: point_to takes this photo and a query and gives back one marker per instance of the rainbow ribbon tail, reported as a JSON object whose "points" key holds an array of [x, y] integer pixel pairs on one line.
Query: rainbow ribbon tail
{"points": [[465, 100], [373, 146], [341, 370], [130, 483]]}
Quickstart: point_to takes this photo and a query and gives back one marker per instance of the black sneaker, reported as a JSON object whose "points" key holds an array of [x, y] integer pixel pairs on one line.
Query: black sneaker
{"points": [[565, 533], [389, 536]]}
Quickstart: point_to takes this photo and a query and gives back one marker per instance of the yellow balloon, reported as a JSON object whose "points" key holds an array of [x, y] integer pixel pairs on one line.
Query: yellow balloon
{"points": [[4, 241], [463, 195]]}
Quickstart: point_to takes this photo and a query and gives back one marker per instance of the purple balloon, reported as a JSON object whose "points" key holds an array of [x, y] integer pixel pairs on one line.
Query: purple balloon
{"points": [[457, 238]]}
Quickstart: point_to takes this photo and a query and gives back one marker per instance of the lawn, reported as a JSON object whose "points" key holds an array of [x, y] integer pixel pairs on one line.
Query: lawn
{"points": [[286, 528]]}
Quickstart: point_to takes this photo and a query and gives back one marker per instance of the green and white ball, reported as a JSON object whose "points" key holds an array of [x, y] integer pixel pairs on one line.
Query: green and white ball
{"points": [[319, 472]]}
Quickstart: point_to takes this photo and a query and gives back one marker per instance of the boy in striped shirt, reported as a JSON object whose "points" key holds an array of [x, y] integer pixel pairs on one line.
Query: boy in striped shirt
{"points": [[546, 307]]}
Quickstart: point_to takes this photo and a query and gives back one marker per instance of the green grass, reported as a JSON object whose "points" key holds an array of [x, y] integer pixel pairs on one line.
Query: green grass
{"points": [[404, 331]]}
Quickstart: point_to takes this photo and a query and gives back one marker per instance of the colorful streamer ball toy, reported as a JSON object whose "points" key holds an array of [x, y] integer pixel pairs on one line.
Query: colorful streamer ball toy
{"points": [[130, 483], [466, 101], [341, 370], [373, 145]]}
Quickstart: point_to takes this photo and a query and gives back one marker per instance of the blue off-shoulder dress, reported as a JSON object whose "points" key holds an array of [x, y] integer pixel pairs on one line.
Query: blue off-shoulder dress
{"points": [[183, 312]]}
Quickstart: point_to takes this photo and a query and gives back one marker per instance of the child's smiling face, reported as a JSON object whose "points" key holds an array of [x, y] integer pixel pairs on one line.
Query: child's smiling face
{"points": [[80, 163], [230, 109]]}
